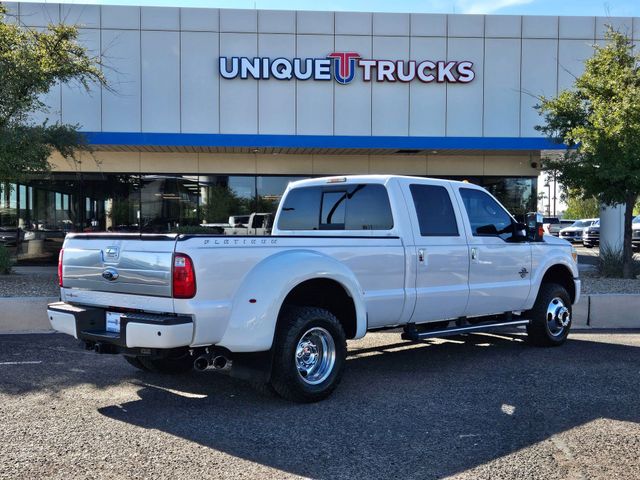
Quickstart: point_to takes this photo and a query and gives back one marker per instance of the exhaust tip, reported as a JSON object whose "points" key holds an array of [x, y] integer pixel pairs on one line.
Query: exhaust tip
{"points": [[201, 363], [220, 362]]}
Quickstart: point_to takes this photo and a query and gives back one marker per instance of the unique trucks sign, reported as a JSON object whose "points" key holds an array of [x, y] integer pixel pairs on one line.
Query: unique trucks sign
{"points": [[344, 66]]}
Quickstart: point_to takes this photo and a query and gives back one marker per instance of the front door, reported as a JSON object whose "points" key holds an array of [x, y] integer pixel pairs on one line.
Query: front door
{"points": [[500, 268], [441, 257]]}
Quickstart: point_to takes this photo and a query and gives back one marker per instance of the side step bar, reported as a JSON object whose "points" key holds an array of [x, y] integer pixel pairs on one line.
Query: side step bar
{"points": [[415, 335]]}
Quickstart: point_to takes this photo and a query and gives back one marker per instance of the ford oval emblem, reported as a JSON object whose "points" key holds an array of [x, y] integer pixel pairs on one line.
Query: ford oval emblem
{"points": [[110, 274]]}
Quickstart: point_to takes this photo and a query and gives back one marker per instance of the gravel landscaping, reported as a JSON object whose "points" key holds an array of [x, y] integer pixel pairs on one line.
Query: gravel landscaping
{"points": [[592, 284], [41, 284]]}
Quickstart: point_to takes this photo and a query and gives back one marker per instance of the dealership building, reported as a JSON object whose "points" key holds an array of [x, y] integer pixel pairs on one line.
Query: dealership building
{"points": [[210, 112]]}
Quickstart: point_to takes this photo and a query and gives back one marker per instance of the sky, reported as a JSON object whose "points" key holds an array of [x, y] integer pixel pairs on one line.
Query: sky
{"points": [[613, 8]]}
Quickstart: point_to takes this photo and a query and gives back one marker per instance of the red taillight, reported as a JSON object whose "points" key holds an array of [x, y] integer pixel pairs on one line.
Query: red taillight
{"points": [[60, 267], [184, 277], [540, 230]]}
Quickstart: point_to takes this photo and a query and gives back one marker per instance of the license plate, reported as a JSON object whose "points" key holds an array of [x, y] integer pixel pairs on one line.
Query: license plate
{"points": [[113, 322]]}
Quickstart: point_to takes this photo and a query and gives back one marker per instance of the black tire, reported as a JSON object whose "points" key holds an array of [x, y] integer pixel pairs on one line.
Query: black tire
{"points": [[549, 326], [314, 324], [169, 365], [135, 362]]}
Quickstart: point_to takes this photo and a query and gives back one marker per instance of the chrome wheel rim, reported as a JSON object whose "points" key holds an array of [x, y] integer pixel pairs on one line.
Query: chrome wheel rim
{"points": [[558, 317], [315, 356]]}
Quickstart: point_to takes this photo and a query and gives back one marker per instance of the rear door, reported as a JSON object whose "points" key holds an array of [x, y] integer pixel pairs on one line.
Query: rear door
{"points": [[500, 268], [440, 253], [139, 265]]}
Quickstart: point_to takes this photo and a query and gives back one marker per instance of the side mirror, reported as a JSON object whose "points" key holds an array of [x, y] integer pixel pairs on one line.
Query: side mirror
{"points": [[535, 231], [520, 231]]}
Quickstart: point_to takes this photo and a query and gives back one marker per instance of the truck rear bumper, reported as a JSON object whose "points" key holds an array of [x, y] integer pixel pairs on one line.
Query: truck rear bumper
{"points": [[137, 330]]}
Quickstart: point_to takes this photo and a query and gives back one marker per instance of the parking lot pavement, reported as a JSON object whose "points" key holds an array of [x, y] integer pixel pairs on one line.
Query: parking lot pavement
{"points": [[473, 407]]}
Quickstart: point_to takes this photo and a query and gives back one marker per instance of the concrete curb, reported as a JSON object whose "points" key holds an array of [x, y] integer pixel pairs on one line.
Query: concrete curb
{"points": [[25, 314], [610, 311]]}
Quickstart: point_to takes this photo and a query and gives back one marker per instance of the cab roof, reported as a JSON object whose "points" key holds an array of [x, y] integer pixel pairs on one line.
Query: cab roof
{"points": [[381, 179]]}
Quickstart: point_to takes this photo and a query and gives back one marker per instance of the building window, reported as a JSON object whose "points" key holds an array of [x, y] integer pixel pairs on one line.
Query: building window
{"points": [[223, 196], [168, 203], [112, 203], [45, 209]]}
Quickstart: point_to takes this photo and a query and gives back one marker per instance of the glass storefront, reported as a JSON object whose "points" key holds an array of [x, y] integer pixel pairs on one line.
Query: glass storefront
{"points": [[34, 218]]}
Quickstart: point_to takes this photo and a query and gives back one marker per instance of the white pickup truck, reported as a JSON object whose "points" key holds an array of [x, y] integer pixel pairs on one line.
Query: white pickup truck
{"points": [[347, 255]]}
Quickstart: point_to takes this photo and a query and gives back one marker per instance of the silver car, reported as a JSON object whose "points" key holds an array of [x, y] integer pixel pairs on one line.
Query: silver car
{"points": [[574, 232]]}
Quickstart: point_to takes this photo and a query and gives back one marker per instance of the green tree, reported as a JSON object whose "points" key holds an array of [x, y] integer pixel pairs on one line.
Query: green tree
{"points": [[599, 119], [31, 63], [220, 203], [579, 206]]}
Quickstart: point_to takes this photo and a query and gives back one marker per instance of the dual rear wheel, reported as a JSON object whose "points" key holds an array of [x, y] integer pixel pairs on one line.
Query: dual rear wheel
{"points": [[310, 354]]}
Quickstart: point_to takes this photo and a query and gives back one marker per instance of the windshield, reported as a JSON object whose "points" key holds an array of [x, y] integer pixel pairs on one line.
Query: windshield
{"points": [[636, 219], [581, 223]]}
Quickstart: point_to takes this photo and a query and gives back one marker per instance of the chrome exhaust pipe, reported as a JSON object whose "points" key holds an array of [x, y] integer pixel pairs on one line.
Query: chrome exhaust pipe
{"points": [[221, 363], [202, 363]]}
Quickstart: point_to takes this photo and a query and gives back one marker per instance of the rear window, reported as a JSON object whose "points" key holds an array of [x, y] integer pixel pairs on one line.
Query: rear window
{"points": [[344, 207], [300, 209]]}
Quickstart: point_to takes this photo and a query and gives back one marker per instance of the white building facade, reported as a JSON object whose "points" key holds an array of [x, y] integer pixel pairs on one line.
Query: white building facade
{"points": [[208, 103]]}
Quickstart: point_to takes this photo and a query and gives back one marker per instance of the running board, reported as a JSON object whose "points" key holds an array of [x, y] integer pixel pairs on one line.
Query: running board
{"points": [[415, 335]]}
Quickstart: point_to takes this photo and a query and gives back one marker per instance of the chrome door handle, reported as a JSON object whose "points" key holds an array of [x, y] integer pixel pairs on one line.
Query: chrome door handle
{"points": [[421, 255], [474, 254]]}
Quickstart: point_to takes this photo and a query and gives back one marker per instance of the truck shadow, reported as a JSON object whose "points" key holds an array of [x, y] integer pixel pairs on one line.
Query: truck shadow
{"points": [[403, 410]]}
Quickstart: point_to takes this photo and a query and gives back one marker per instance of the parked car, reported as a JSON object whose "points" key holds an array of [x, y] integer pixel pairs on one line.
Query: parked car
{"points": [[9, 236], [239, 220], [257, 224], [635, 235], [547, 222], [347, 255], [574, 232], [554, 228], [591, 235], [234, 223]]}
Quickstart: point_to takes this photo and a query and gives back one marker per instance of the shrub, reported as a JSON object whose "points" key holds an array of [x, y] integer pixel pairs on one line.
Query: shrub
{"points": [[5, 260], [611, 262]]}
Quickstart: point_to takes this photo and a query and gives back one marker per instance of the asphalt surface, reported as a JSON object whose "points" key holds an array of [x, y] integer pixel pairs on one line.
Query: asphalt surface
{"points": [[473, 407]]}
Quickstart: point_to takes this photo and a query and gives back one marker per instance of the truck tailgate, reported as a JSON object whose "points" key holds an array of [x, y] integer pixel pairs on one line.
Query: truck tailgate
{"points": [[132, 264]]}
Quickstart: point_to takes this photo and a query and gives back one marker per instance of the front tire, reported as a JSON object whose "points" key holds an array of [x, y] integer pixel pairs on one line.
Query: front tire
{"points": [[550, 317], [310, 354]]}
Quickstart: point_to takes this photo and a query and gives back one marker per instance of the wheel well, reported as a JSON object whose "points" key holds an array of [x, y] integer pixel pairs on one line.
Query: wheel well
{"points": [[562, 276], [327, 294]]}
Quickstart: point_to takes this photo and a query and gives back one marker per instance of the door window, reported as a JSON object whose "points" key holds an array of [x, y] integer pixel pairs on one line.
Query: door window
{"points": [[486, 216], [436, 216]]}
